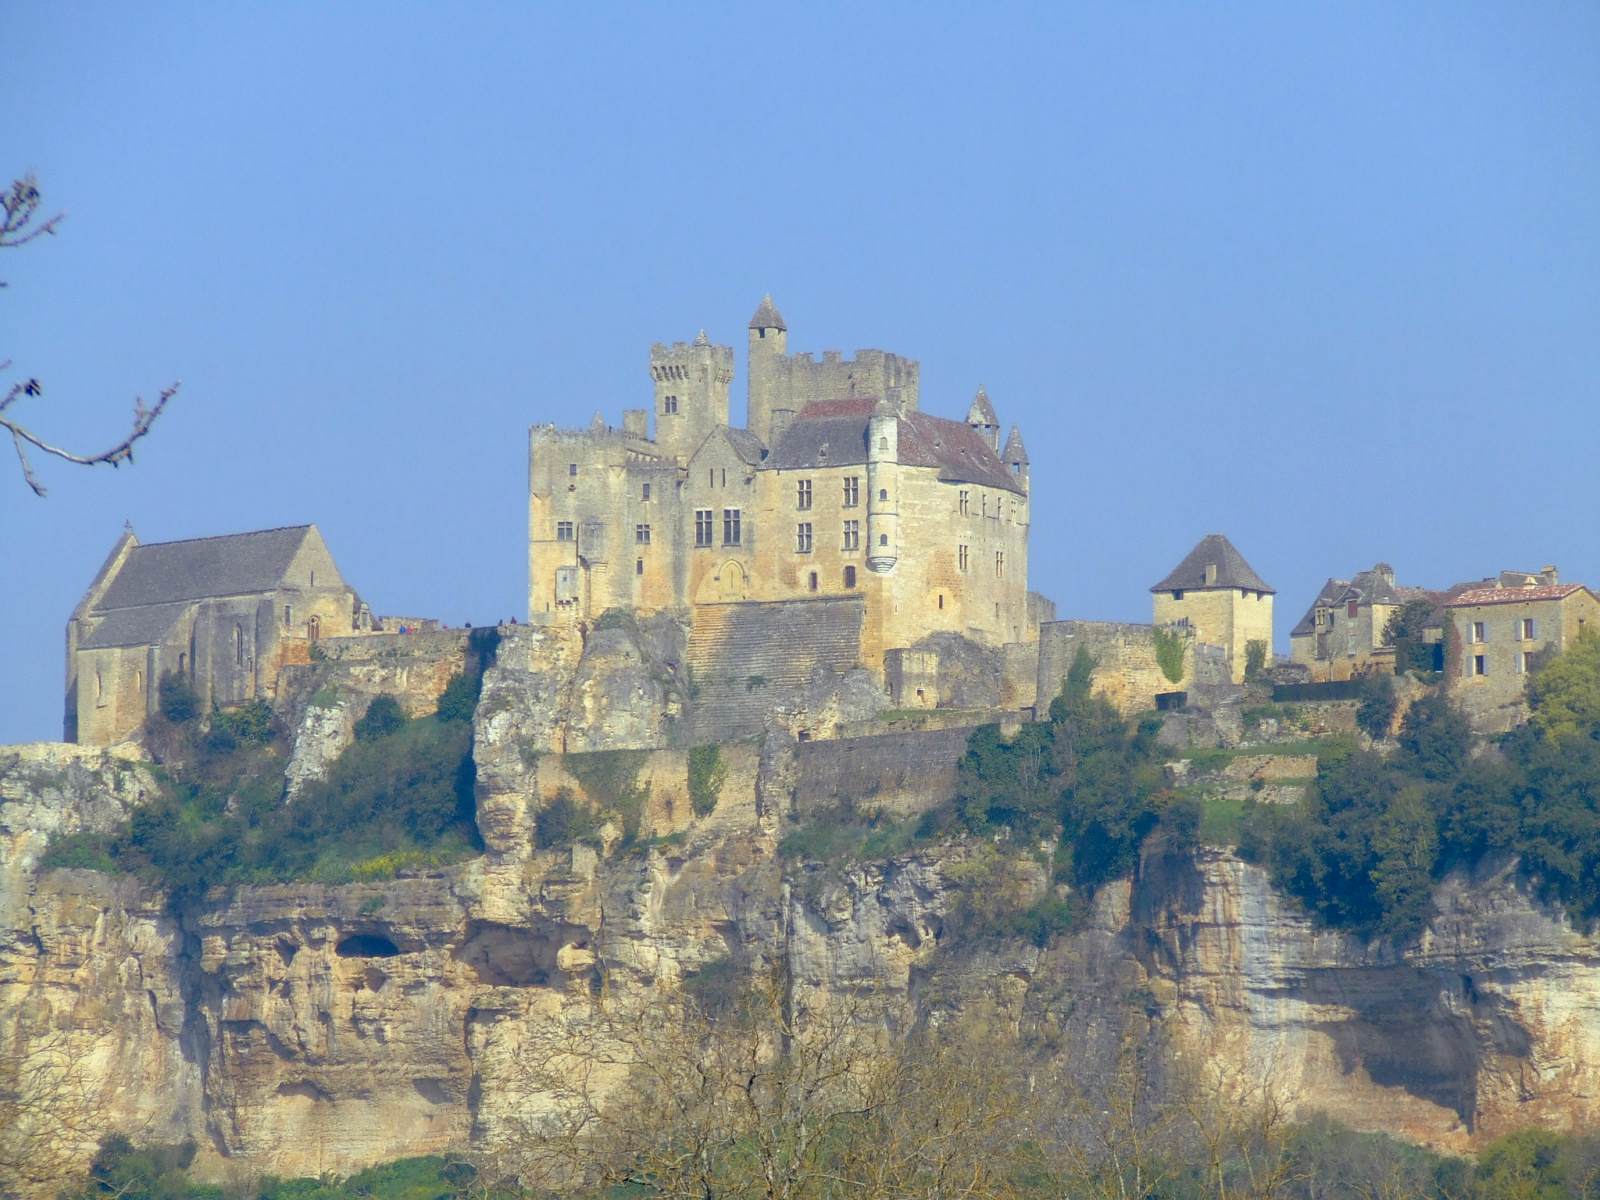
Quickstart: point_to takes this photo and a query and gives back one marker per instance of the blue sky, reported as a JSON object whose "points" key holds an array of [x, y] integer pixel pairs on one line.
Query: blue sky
{"points": [[1323, 277]]}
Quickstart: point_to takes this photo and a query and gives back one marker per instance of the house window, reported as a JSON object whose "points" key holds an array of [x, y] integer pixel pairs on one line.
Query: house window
{"points": [[641, 534], [852, 535], [638, 566], [961, 558], [730, 527], [1527, 628], [669, 404], [572, 470], [1349, 609], [1521, 666], [966, 503], [883, 493], [1480, 664], [852, 491], [564, 531], [644, 493], [802, 537], [1478, 634], [849, 577], [813, 581], [802, 493], [702, 527]]}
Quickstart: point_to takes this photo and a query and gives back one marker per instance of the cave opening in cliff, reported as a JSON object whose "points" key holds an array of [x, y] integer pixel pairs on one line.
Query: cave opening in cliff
{"points": [[366, 945]]}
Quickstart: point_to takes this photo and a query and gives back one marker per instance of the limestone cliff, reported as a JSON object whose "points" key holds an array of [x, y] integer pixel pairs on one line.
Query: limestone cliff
{"points": [[306, 1028]]}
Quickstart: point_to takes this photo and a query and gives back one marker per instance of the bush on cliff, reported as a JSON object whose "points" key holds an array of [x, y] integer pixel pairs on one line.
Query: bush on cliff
{"points": [[399, 798]]}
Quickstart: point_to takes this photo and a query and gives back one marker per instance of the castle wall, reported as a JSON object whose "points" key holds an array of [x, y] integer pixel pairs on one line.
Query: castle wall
{"points": [[1127, 670], [901, 773], [789, 381]]}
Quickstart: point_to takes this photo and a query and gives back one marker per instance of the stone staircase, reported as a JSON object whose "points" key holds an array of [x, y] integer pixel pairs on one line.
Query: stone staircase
{"points": [[747, 657]]}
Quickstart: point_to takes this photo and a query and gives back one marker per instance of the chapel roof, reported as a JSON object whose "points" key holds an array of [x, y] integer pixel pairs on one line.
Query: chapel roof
{"points": [[1213, 550], [230, 565]]}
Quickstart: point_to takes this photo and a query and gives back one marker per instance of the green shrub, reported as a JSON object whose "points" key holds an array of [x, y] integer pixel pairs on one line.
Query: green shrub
{"points": [[383, 717], [610, 778], [176, 698], [1376, 711], [1255, 658], [707, 773], [1170, 644], [564, 822], [459, 698], [250, 722]]}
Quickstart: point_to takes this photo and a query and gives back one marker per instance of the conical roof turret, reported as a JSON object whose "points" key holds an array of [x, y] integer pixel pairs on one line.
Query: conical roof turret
{"points": [[767, 315], [1015, 451], [982, 412]]}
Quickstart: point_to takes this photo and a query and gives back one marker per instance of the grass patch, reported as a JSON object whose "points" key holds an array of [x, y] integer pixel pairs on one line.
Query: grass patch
{"points": [[1221, 821], [1209, 758], [844, 835]]}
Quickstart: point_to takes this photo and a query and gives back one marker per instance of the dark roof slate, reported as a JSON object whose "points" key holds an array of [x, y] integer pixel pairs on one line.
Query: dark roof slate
{"points": [[1326, 598], [1213, 550], [1015, 451], [767, 315], [236, 563], [982, 412], [144, 626], [746, 445], [833, 433]]}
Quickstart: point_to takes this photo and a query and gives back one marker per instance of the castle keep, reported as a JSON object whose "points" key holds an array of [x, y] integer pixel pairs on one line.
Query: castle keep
{"points": [[839, 487]]}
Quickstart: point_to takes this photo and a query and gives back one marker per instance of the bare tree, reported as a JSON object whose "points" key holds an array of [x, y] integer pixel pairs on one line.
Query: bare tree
{"points": [[18, 209], [44, 1116]]}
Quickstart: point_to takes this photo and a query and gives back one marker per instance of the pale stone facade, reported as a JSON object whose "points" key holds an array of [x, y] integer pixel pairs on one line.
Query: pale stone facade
{"points": [[227, 613], [1504, 631], [1217, 594], [840, 486], [1128, 671]]}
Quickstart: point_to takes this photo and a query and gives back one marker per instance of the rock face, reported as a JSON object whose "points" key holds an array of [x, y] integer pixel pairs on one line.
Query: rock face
{"points": [[303, 1028]]}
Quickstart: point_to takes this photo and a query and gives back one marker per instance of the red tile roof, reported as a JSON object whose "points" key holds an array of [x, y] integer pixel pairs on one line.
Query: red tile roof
{"points": [[1473, 597]]}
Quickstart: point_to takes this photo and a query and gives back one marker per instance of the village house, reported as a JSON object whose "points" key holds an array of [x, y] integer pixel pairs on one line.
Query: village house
{"points": [[1342, 634]]}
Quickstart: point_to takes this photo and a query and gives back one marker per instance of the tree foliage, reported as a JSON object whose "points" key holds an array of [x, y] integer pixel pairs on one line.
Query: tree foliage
{"points": [[1406, 631], [1375, 713], [1565, 693]]}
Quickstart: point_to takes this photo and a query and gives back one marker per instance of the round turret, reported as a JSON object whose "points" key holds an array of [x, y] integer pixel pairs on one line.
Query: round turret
{"points": [[883, 487], [981, 416]]}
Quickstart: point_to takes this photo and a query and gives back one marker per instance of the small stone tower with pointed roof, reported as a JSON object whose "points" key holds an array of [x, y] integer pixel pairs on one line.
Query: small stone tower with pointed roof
{"points": [[769, 342], [1216, 593], [981, 417], [1015, 456]]}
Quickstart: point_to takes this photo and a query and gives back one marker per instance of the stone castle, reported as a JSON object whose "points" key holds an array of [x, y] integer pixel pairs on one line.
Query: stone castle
{"points": [[838, 487]]}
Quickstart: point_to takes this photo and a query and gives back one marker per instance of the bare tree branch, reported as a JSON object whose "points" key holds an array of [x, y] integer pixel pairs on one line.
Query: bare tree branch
{"points": [[18, 208]]}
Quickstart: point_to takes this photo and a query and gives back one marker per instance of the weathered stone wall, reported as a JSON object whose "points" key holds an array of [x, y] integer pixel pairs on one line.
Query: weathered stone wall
{"points": [[1127, 671], [1228, 617], [898, 772]]}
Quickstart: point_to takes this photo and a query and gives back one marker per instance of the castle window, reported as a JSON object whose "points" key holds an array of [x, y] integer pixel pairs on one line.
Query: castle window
{"points": [[852, 535], [238, 645], [1527, 628], [711, 477], [669, 404], [288, 616], [564, 532], [1521, 662], [802, 498], [645, 493], [883, 539], [314, 628], [1178, 595], [313, 579], [638, 566], [961, 558], [852, 491], [813, 581], [849, 577], [883, 493], [941, 601], [572, 470], [802, 538], [724, 476], [641, 534], [702, 527], [999, 563], [966, 503], [1016, 468], [730, 527], [138, 681], [883, 443]]}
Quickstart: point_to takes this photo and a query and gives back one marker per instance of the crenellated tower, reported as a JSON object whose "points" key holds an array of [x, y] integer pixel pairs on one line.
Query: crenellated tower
{"points": [[691, 392]]}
